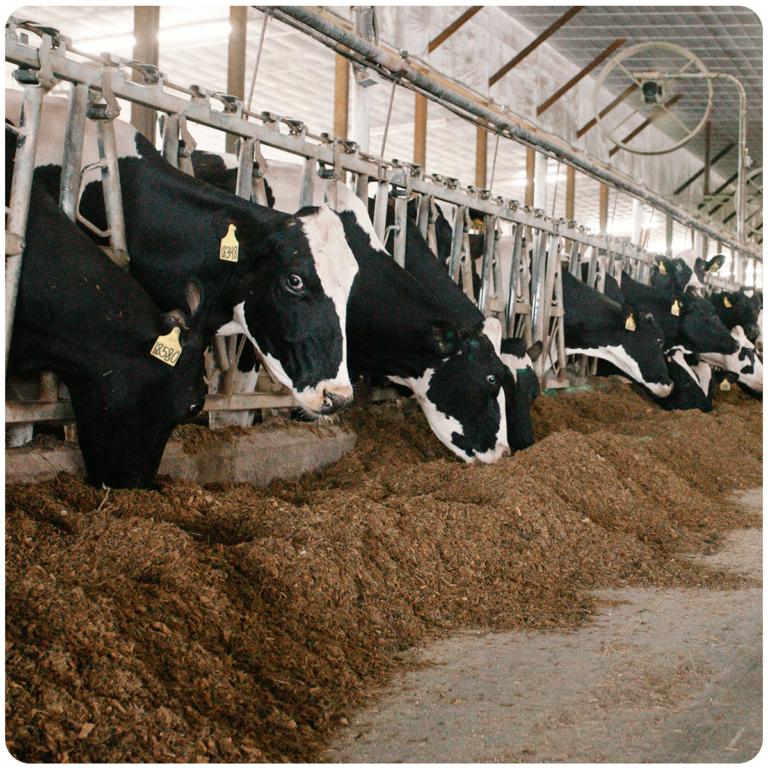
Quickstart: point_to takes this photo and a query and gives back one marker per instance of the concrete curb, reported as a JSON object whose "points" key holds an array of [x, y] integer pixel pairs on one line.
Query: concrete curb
{"points": [[257, 457]]}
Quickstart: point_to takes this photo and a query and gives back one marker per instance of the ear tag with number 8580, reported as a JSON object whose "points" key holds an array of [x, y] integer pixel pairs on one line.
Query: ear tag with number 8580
{"points": [[167, 348]]}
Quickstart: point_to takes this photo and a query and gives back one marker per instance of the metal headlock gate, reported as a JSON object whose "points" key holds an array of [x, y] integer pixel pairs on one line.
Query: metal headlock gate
{"points": [[532, 308]]}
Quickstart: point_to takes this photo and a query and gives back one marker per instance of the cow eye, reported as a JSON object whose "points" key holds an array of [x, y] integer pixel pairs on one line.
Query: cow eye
{"points": [[295, 283], [490, 378], [195, 408]]}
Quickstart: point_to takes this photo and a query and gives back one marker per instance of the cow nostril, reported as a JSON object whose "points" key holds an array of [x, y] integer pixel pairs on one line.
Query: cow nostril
{"points": [[333, 402], [507, 451]]}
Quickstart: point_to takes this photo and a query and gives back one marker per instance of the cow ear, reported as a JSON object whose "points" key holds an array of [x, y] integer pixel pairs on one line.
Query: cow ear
{"points": [[492, 329], [445, 338], [194, 293], [715, 263], [534, 351], [173, 319], [631, 317]]}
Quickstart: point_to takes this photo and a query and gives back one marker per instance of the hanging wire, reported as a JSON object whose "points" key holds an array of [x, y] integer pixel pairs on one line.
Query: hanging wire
{"points": [[554, 194], [258, 59], [493, 167], [389, 115], [613, 215]]}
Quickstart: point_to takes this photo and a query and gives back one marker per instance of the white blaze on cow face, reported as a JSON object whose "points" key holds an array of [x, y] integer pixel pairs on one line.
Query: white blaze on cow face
{"points": [[618, 356], [744, 362], [336, 267], [443, 426]]}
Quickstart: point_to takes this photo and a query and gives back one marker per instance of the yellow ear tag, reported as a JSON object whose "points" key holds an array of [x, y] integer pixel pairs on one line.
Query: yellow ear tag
{"points": [[167, 348], [662, 268], [230, 248], [675, 308], [727, 303], [714, 267], [725, 385], [630, 324]]}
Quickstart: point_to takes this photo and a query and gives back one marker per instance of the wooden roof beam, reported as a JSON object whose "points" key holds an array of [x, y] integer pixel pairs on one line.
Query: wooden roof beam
{"points": [[698, 173], [615, 103], [448, 31], [584, 72], [643, 126], [566, 17]]}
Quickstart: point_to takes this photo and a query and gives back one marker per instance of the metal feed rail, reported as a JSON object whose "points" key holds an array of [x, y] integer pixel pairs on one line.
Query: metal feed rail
{"points": [[533, 310]]}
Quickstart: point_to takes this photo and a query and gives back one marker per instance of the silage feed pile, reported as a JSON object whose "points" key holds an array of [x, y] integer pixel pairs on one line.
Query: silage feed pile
{"points": [[243, 624]]}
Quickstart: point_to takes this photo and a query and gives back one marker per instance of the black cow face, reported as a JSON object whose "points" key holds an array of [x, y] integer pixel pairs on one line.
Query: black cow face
{"points": [[521, 393], [702, 329], [464, 401], [126, 413], [293, 307], [687, 393]]}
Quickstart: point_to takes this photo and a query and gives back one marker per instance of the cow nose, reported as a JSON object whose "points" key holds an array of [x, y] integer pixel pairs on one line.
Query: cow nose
{"points": [[507, 451], [333, 402]]}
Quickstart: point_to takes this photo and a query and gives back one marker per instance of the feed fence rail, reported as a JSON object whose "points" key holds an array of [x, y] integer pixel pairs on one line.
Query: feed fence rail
{"points": [[531, 308]]}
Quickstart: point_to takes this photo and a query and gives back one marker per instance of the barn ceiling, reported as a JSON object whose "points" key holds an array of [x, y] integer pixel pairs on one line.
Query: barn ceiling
{"points": [[726, 38], [296, 79]]}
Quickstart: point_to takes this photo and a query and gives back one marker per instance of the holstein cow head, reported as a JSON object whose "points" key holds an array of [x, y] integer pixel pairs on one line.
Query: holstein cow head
{"points": [[744, 362], [126, 413], [706, 267], [739, 308], [526, 389], [599, 327], [398, 328], [293, 306], [689, 393], [701, 328], [675, 275]]}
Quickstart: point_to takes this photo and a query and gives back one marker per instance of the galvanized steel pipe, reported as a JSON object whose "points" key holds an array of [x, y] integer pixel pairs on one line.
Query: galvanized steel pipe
{"points": [[345, 42]]}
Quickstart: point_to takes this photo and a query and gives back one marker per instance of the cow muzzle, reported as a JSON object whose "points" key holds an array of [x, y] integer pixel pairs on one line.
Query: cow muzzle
{"points": [[334, 402], [325, 399]]}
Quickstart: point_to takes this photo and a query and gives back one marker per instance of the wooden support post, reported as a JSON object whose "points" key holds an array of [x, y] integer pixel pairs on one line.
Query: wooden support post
{"points": [[481, 158], [146, 25], [238, 20], [670, 235], [603, 208], [530, 170], [341, 98], [420, 131], [707, 155], [570, 192]]}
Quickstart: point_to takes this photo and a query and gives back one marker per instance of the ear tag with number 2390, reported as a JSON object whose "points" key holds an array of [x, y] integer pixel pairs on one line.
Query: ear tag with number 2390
{"points": [[167, 348]]}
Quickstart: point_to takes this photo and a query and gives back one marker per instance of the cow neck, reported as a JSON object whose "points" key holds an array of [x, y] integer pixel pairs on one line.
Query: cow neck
{"points": [[90, 287], [389, 314]]}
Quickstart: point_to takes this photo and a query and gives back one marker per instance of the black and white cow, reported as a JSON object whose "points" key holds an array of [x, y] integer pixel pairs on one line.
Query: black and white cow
{"points": [[400, 329], [422, 264], [597, 326], [284, 283], [739, 308], [80, 316], [691, 389], [744, 363]]}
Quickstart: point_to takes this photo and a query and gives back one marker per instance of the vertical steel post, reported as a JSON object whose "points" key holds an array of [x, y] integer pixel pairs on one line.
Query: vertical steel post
{"points": [[113, 198], [517, 248], [401, 221], [21, 190], [457, 241], [171, 139], [380, 209], [244, 183], [489, 251], [72, 160]]}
